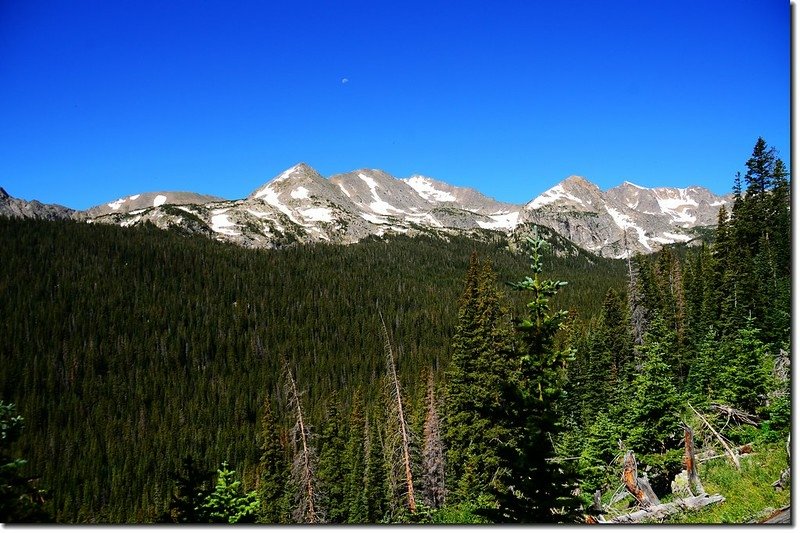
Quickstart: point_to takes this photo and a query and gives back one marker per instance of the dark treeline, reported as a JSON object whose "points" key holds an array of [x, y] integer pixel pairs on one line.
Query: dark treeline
{"points": [[127, 350]]}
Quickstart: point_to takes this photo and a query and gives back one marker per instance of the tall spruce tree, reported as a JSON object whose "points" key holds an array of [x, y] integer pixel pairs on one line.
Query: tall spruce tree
{"points": [[228, 503], [355, 463], [332, 470], [478, 382], [541, 489], [273, 472]]}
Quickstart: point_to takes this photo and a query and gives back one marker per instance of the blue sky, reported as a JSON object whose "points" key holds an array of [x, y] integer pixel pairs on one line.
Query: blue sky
{"points": [[100, 99]]}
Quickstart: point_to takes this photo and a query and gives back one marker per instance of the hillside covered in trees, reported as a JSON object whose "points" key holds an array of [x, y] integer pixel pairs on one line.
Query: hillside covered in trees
{"points": [[171, 379]]}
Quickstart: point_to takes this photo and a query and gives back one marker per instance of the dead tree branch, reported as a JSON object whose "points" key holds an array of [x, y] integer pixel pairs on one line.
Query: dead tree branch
{"points": [[730, 452], [303, 465]]}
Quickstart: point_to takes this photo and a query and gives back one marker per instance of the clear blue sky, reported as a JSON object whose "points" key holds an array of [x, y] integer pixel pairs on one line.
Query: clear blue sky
{"points": [[100, 99]]}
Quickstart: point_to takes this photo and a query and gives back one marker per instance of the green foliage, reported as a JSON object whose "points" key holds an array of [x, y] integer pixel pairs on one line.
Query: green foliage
{"points": [[273, 473], [748, 492], [745, 377], [463, 513], [655, 405], [478, 380], [20, 500], [542, 489], [228, 503], [332, 471], [597, 464]]}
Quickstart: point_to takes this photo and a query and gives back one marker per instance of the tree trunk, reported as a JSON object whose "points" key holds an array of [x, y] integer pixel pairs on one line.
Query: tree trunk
{"points": [[406, 441], [639, 487], [689, 462]]}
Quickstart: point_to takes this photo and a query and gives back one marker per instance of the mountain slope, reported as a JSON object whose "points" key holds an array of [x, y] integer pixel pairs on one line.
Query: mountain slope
{"points": [[301, 206], [18, 208], [625, 218]]}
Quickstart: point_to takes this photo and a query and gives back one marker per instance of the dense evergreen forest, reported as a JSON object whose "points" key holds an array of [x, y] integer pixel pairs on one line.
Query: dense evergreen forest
{"points": [[165, 378]]}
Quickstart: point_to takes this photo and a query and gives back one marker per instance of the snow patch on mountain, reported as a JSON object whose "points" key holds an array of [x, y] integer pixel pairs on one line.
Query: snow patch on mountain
{"points": [[271, 197], [158, 200], [425, 188], [374, 219], [504, 221], [299, 193], [552, 195], [116, 204], [378, 206], [220, 223], [317, 214]]}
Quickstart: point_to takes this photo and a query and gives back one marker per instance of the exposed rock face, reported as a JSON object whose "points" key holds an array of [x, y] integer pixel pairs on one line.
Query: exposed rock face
{"points": [[625, 218], [18, 208], [299, 205], [137, 202]]}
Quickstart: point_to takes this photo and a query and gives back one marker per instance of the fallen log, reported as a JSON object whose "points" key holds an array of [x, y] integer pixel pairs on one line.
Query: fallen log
{"points": [[659, 512], [781, 516]]}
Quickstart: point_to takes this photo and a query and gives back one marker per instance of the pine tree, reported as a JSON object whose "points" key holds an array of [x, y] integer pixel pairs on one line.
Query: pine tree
{"points": [[331, 471], [760, 169], [375, 479], [746, 373], [542, 489], [228, 503], [355, 461], [273, 471], [655, 405], [479, 383], [191, 490]]}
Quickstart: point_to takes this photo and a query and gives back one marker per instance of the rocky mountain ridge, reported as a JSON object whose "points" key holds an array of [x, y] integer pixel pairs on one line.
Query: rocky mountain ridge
{"points": [[300, 206], [16, 207]]}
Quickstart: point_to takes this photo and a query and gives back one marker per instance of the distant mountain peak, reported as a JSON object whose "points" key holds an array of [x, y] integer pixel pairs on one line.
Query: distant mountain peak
{"points": [[300, 171], [625, 218], [299, 205], [4, 194]]}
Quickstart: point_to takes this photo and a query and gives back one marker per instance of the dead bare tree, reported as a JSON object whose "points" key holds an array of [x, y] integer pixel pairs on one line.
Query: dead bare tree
{"points": [[307, 509], [432, 453], [638, 315], [690, 463], [396, 401], [660, 511], [639, 487]]}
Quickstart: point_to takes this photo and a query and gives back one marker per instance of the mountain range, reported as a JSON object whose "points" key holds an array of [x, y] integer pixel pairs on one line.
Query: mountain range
{"points": [[299, 206]]}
